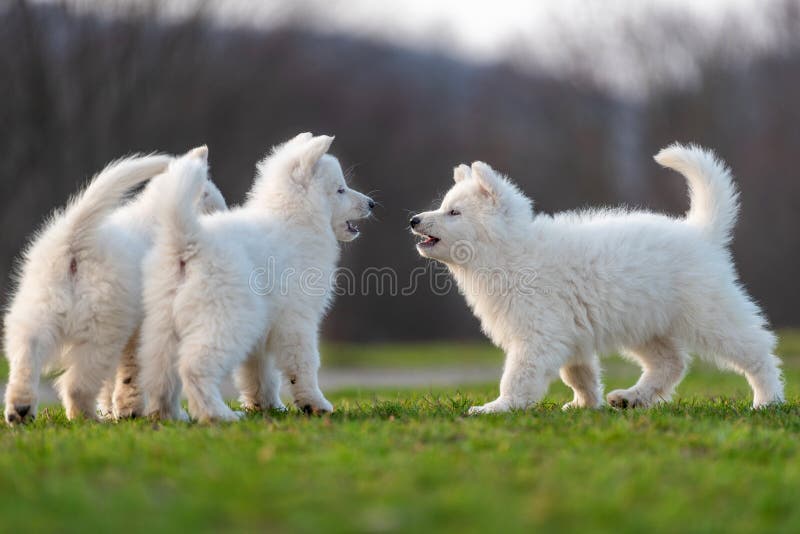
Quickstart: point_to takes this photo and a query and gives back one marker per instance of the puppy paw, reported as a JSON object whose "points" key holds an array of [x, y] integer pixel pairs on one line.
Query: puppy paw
{"points": [[166, 414], [74, 413], [628, 398], [19, 413], [763, 405], [128, 408], [129, 412], [315, 407], [763, 399], [276, 405], [496, 406], [281, 407], [576, 404], [227, 416]]}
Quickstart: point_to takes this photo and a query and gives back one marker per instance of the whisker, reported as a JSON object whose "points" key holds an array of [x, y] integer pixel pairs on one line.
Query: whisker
{"points": [[350, 172]]}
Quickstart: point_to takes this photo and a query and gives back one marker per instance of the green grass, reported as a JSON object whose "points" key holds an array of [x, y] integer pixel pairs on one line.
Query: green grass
{"points": [[410, 461]]}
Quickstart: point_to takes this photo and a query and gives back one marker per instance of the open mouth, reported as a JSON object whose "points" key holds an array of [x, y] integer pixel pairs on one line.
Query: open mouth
{"points": [[428, 241], [352, 227]]}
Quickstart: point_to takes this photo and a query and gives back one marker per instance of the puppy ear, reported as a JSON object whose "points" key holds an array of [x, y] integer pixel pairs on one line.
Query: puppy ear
{"points": [[311, 153], [487, 178], [200, 153], [299, 138], [461, 173]]}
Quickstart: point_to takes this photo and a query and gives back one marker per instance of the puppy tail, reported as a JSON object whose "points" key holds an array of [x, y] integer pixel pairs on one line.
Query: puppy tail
{"points": [[179, 227], [105, 192], [714, 197]]}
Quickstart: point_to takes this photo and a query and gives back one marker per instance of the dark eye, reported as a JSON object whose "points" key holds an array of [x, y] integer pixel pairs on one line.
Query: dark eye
{"points": [[455, 212], [340, 191]]}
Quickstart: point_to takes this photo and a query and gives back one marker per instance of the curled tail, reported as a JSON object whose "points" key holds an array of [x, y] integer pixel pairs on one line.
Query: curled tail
{"points": [[179, 226], [87, 210], [714, 199]]}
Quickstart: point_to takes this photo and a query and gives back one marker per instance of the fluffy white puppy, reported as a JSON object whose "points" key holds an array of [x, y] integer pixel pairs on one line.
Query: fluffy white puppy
{"points": [[554, 292], [77, 303], [255, 283], [121, 396]]}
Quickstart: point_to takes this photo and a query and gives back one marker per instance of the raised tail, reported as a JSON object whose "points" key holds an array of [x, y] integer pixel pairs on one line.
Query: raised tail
{"points": [[105, 192], [176, 237], [179, 226], [714, 199]]}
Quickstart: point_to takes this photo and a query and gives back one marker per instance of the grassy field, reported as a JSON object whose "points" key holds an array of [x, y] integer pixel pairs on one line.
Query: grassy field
{"points": [[410, 461]]}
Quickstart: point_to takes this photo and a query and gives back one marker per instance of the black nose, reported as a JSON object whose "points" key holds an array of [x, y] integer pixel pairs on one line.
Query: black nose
{"points": [[371, 204], [413, 222]]}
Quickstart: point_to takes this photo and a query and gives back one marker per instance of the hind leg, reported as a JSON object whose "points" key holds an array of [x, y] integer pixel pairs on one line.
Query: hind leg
{"points": [[584, 379], [26, 356], [749, 351], [128, 400], [88, 368], [202, 371], [159, 381], [766, 381], [259, 382], [664, 364], [205, 356]]}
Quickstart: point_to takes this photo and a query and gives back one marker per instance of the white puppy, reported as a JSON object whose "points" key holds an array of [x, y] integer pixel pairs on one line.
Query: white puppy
{"points": [[255, 283], [77, 303], [121, 396], [554, 292]]}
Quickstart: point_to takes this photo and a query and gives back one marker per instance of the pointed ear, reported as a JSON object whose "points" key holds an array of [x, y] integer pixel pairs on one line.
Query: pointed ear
{"points": [[200, 153], [487, 179], [310, 155], [461, 173], [300, 138]]}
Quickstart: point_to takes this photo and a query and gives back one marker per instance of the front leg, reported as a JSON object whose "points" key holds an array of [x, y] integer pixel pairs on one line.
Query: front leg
{"points": [[298, 359], [26, 357], [527, 374]]}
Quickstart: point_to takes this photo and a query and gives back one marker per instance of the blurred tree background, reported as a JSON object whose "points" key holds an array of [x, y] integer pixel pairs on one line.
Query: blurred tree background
{"points": [[79, 88]]}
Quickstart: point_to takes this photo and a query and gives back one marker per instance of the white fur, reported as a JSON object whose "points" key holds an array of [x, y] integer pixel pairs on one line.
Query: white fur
{"points": [[555, 292], [77, 304], [205, 318], [121, 396]]}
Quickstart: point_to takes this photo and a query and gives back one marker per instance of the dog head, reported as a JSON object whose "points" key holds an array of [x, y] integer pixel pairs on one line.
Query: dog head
{"points": [[482, 208], [303, 181]]}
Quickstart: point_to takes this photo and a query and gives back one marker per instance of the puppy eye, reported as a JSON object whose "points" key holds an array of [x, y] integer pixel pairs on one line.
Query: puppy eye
{"points": [[455, 212], [340, 191]]}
